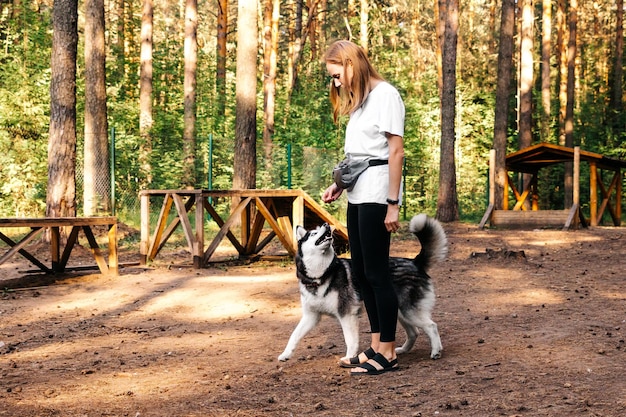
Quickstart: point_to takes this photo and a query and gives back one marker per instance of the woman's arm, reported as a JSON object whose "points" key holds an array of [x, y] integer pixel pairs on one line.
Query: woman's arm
{"points": [[396, 157]]}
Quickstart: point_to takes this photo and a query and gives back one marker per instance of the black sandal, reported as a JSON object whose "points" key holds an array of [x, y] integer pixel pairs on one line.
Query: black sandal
{"points": [[355, 362], [376, 366]]}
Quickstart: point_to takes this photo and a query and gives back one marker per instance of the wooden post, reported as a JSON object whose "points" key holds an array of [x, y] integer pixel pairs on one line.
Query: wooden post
{"points": [[113, 264], [145, 228], [593, 193], [492, 177], [298, 218], [492, 189], [198, 250], [55, 249], [576, 185], [618, 197], [534, 192]]}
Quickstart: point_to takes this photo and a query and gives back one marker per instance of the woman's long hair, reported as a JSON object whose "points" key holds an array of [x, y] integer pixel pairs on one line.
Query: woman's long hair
{"points": [[354, 92]]}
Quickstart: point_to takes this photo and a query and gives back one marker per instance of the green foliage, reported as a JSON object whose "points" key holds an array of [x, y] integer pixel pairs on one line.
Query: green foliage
{"points": [[306, 142], [24, 114]]}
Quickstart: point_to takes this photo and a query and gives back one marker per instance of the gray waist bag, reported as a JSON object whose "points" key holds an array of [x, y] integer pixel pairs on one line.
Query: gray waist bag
{"points": [[348, 171]]}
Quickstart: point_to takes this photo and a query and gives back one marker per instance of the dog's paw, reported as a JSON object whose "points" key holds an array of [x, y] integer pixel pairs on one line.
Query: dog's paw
{"points": [[284, 357], [435, 355]]}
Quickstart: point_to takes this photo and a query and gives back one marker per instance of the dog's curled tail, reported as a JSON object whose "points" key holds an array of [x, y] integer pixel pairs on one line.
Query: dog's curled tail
{"points": [[433, 239]]}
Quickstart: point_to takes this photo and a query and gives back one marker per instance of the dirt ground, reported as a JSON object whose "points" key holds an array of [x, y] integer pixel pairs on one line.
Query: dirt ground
{"points": [[536, 335]]}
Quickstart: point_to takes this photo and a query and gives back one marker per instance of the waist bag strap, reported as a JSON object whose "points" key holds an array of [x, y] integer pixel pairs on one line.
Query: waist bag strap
{"points": [[377, 162]]}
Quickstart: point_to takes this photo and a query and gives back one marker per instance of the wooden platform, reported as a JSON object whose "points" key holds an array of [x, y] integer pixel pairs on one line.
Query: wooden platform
{"points": [[250, 212], [532, 219], [60, 256]]}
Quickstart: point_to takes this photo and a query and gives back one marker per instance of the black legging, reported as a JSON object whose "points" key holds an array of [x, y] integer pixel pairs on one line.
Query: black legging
{"points": [[369, 248]]}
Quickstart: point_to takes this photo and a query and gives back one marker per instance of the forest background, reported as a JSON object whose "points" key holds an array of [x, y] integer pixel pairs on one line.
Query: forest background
{"points": [[300, 143]]}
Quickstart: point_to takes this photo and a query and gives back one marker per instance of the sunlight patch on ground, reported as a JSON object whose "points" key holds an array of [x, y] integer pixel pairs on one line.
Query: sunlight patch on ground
{"points": [[168, 346], [535, 297], [231, 300], [102, 300], [510, 287], [536, 238], [613, 295]]}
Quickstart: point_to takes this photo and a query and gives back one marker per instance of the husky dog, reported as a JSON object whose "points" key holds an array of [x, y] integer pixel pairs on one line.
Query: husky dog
{"points": [[327, 286]]}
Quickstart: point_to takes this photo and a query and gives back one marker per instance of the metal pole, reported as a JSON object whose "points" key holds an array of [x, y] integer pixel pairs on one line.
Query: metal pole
{"points": [[210, 173]]}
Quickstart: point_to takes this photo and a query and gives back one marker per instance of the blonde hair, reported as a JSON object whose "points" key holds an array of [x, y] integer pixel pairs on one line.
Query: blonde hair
{"points": [[353, 94]]}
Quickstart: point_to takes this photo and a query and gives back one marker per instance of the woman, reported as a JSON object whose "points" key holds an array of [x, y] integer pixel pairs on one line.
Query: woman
{"points": [[374, 131]]}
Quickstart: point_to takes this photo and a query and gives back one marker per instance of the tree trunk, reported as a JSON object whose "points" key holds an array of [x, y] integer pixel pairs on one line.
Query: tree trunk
{"points": [[617, 90], [525, 115], [191, 63], [503, 95], [120, 55], [562, 63], [61, 192], [295, 48], [145, 95], [447, 201], [220, 80], [244, 176], [365, 9], [440, 29], [96, 186], [569, 108], [271, 16], [526, 75], [299, 39], [546, 52]]}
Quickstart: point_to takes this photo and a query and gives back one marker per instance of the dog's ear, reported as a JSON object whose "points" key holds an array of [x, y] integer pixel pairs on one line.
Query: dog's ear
{"points": [[300, 232]]}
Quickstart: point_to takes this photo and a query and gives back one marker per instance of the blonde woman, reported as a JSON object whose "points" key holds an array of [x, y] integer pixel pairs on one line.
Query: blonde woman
{"points": [[375, 131]]}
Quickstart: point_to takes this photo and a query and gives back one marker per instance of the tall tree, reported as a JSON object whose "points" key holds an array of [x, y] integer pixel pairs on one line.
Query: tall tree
{"points": [[145, 94], [617, 89], [121, 40], [191, 64], [546, 52], [220, 78], [270, 49], [365, 10], [503, 95], [96, 186], [569, 107], [61, 192], [447, 200], [244, 176], [525, 85], [440, 29], [526, 74], [295, 45], [561, 54]]}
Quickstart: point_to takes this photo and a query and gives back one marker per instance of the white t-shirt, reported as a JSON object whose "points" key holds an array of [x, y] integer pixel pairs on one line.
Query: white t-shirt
{"points": [[382, 112]]}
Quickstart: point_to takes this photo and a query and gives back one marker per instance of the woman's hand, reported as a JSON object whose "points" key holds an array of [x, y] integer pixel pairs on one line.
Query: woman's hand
{"points": [[332, 193], [392, 219]]}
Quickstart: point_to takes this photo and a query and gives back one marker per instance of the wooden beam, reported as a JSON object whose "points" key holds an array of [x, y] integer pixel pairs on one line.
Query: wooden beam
{"points": [[234, 216], [18, 248], [593, 193], [144, 227], [576, 185], [216, 217]]}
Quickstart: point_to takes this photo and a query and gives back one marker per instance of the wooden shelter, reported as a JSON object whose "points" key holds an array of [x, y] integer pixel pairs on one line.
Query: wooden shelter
{"points": [[529, 161]]}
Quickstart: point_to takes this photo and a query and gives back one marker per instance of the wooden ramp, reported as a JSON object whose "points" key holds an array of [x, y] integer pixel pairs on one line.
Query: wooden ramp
{"points": [[252, 213]]}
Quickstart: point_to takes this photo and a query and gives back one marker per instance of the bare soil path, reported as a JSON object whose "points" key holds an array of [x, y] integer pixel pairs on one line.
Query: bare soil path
{"points": [[536, 335]]}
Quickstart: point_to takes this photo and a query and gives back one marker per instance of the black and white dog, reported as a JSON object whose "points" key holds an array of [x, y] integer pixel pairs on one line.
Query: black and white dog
{"points": [[327, 286]]}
